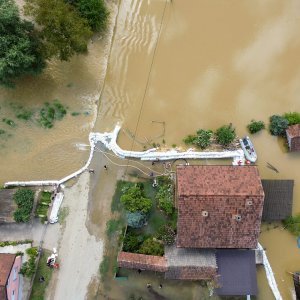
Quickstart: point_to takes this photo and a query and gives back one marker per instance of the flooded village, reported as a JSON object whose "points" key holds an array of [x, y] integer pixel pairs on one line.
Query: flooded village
{"points": [[136, 192]]}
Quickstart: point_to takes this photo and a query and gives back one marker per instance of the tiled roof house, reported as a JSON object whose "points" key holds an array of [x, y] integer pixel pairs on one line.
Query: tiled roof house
{"points": [[10, 265], [293, 137], [218, 206]]}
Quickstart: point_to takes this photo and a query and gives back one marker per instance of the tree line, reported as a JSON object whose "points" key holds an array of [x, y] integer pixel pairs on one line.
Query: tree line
{"points": [[60, 29]]}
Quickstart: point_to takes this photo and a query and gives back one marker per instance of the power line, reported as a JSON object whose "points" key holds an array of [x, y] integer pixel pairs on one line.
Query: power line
{"points": [[148, 79]]}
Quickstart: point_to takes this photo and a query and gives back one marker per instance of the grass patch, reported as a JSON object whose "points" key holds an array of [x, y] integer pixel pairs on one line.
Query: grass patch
{"points": [[62, 215], [9, 122], [75, 113], [39, 288], [104, 266], [292, 224], [43, 206], [113, 226], [116, 205]]}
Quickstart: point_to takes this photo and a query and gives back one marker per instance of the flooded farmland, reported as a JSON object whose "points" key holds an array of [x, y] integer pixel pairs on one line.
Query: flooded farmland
{"points": [[214, 63]]}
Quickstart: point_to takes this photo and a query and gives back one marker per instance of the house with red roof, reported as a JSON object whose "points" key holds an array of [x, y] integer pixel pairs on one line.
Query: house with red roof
{"points": [[10, 266], [219, 217], [219, 206]]}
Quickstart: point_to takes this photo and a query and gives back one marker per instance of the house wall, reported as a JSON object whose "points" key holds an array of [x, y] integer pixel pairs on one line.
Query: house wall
{"points": [[12, 287], [295, 144]]}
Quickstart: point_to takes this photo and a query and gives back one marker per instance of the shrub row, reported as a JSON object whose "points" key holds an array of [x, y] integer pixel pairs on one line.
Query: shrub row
{"points": [[224, 135], [24, 198]]}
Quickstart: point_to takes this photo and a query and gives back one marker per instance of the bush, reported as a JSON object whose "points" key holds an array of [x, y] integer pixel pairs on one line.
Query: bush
{"points": [[292, 118], [28, 268], [255, 126], [134, 200], [132, 242], [202, 139], [165, 195], [225, 135], [292, 224], [152, 247], [136, 219], [166, 234], [24, 199], [278, 125]]}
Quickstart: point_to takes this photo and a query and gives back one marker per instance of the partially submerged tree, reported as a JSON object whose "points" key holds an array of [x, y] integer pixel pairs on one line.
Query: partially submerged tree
{"points": [[278, 125], [63, 32], [19, 45], [255, 126], [225, 135], [94, 11]]}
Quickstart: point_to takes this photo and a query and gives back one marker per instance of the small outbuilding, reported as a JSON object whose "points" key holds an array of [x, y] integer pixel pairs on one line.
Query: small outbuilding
{"points": [[278, 202], [293, 137], [237, 272]]}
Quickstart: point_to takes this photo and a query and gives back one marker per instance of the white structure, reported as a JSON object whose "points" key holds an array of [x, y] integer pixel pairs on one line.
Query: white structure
{"points": [[109, 140], [55, 208], [270, 274]]}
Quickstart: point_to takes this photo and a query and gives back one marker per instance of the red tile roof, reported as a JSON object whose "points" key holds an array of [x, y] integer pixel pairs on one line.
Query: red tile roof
{"points": [[6, 263], [293, 131], [219, 206], [218, 180], [141, 261]]}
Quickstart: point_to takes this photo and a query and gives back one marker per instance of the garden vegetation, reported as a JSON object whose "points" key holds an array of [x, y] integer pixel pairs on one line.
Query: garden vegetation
{"points": [[292, 224], [28, 268], [24, 198]]}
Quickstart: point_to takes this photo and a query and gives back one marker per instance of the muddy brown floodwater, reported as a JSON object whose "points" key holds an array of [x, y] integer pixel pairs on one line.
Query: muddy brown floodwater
{"points": [[215, 62]]}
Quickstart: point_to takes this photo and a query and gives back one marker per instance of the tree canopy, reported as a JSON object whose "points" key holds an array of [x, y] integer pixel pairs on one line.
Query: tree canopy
{"points": [[62, 31], [94, 11], [19, 45]]}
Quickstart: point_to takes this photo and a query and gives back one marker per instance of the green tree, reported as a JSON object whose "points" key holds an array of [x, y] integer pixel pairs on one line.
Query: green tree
{"points": [[225, 135], [136, 219], [19, 46], [278, 125], [292, 117], [63, 32], [202, 139], [134, 200], [94, 11]]}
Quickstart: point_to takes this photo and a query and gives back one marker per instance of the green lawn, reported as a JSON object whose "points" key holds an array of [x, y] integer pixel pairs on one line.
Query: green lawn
{"points": [[39, 288]]}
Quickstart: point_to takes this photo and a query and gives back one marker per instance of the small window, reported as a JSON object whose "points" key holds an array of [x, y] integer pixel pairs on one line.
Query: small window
{"points": [[204, 213], [238, 218], [15, 273]]}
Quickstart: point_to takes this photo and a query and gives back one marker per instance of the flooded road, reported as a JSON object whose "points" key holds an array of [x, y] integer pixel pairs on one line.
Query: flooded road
{"points": [[215, 62]]}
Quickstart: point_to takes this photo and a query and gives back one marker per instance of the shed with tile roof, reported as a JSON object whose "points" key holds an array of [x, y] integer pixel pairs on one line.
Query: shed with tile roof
{"points": [[190, 264], [293, 137], [141, 261], [218, 206]]}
